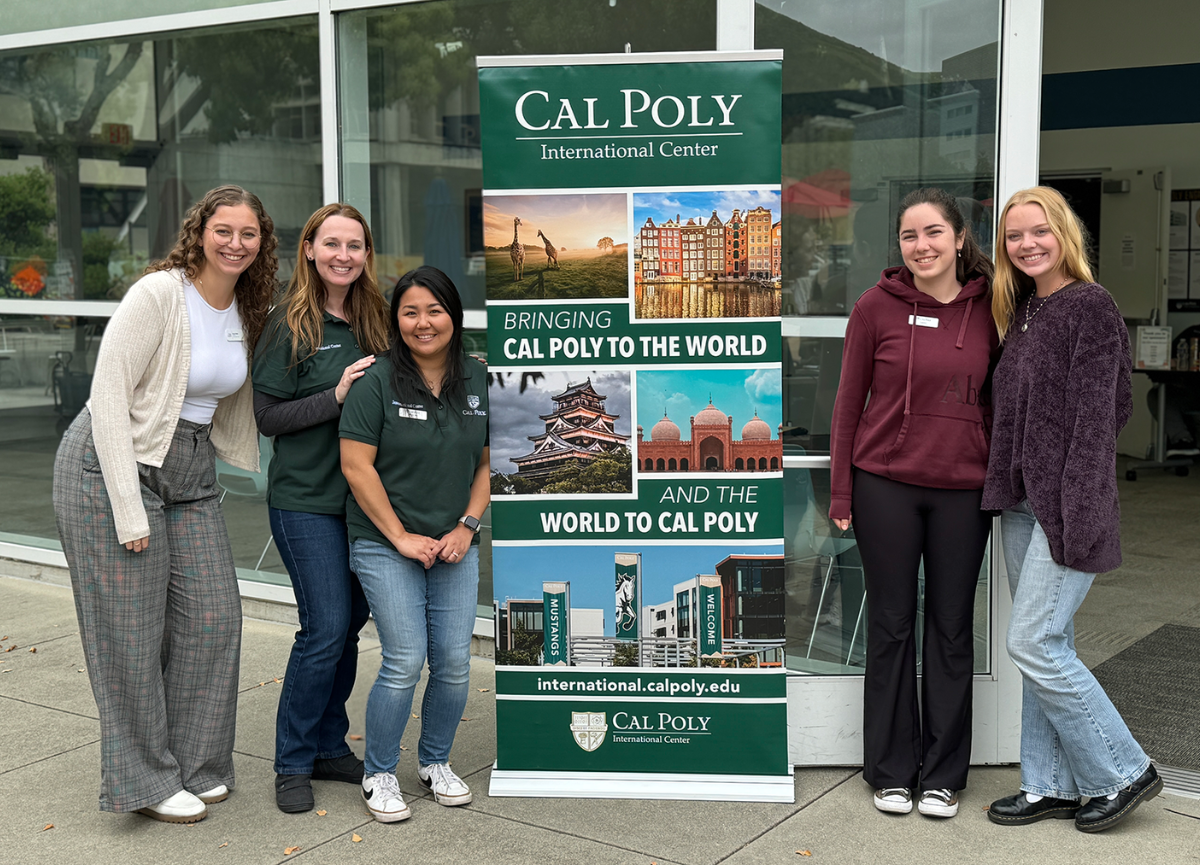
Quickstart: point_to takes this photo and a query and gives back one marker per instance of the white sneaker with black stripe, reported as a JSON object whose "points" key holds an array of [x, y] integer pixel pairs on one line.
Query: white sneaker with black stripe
{"points": [[938, 803], [448, 788], [894, 800], [381, 792]]}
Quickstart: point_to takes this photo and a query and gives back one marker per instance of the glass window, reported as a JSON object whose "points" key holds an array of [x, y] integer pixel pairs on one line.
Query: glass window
{"points": [[104, 145], [410, 112], [879, 97], [825, 602], [46, 366]]}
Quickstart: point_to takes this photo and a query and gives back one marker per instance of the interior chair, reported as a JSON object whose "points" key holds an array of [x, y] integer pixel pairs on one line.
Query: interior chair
{"points": [[253, 485]]}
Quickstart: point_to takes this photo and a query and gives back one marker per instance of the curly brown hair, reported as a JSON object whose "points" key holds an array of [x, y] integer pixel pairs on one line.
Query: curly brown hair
{"points": [[256, 286], [365, 309]]}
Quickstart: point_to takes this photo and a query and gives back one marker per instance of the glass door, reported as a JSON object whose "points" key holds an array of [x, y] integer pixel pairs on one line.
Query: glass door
{"points": [[879, 98]]}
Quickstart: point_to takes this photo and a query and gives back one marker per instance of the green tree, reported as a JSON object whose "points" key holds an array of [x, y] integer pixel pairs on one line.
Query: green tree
{"points": [[611, 473], [626, 655], [65, 105], [526, 649], [97, 250], [25, 211]]}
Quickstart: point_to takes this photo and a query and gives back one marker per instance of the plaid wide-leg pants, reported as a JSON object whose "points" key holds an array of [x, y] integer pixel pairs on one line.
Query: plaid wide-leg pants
{"points": [[161, 629]]}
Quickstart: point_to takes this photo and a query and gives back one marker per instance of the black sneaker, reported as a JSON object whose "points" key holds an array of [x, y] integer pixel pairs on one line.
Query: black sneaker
{"points": [[346, 768], [293, 793]]}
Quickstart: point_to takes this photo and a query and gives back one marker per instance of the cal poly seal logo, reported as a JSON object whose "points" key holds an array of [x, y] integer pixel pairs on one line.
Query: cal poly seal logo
{"points": [[472, 400], [589, 729]]}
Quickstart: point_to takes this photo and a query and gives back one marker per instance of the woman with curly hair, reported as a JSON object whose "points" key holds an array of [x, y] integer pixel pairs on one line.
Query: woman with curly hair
{"points": [[135, 497], [319, 341]]}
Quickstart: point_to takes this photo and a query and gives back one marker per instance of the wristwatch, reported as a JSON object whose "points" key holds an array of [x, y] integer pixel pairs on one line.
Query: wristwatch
{"points": [[470, 522]]}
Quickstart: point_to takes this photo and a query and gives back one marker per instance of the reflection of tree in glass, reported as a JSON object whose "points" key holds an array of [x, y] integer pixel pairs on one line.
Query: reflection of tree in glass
{"points": [[434, 45], [244, 75], [65, 105], [25, 211]]}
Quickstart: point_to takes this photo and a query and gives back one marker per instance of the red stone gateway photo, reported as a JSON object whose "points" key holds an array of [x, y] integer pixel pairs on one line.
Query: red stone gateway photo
{"points": [[738, 430]]}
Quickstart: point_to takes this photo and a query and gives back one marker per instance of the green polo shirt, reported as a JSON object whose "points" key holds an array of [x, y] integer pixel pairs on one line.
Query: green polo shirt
{"points": [[306, 469], [428, 450]]}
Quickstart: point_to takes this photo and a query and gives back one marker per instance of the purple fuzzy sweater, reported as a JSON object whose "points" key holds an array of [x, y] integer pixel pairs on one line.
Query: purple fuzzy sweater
{"points": [[1060, 395]]}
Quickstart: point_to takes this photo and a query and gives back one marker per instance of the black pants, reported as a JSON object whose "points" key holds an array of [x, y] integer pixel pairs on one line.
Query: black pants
{"points": [[897, 524]]}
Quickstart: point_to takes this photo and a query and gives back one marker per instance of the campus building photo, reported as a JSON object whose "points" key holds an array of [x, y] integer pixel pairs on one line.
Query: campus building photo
{"points": [[116, 117]]}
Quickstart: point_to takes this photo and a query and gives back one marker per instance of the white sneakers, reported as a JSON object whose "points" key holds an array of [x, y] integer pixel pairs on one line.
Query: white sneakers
{"points": [[381, 792], [448, 788], [933, 803], [183, 807], [894, 800], [938, 803]]}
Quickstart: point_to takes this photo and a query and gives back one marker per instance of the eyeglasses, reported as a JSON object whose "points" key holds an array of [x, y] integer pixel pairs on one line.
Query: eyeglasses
{"points": [[250, 239]]}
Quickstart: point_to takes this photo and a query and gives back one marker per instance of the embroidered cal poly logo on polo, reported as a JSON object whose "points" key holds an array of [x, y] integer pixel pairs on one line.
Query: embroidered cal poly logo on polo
{"points": [[412, 411], [589, 729], [473, 402]]}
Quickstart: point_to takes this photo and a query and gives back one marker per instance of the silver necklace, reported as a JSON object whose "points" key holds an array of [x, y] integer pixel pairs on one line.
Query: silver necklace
{"points": [[1030, 316]]}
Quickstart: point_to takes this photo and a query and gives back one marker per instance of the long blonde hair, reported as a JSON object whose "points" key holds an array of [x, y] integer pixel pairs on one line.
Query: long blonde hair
{"points": [[1010, 284], [304, 301]]}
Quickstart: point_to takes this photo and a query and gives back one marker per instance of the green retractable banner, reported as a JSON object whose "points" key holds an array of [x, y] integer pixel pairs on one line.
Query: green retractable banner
{"points": [[632, 222]]}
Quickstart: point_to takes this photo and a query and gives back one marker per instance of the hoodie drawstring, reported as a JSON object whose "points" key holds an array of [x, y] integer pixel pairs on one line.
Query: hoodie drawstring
{"points": [[912, 343], [962, 330]]}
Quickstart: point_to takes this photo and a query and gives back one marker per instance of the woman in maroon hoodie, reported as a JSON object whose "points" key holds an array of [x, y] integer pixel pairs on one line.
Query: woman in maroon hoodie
{"points": [[909, 456]]}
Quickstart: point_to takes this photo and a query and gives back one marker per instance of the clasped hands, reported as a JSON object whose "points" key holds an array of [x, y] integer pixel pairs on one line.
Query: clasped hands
{"points": [[450, 548]]}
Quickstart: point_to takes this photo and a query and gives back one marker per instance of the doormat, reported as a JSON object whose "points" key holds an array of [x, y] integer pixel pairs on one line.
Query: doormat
{"points": [[1155, 685]]}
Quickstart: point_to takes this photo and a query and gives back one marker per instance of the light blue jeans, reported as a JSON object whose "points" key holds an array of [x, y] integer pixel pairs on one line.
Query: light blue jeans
{"points": [[418, 613], [1073, 740]]}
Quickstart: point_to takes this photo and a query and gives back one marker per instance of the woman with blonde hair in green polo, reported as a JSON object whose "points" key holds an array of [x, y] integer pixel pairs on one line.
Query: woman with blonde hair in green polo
{"points": [[320, 340]]}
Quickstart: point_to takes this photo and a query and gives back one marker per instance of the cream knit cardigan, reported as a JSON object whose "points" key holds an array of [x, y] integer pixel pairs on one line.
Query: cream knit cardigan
{"points": [[137, 393]]}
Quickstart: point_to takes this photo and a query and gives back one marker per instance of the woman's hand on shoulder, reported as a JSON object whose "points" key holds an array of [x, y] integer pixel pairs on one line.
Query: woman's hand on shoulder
{"points": [[419, 548], [355, 371], [139, 545], [455, 543]]}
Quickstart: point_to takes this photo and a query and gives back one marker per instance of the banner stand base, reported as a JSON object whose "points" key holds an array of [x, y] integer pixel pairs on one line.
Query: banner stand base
{"points": [[630, 785]]}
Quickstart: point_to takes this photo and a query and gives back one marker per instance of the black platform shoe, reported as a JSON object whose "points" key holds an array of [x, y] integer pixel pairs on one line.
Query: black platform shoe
{"points": [[1102, 813], [1019, 811]]}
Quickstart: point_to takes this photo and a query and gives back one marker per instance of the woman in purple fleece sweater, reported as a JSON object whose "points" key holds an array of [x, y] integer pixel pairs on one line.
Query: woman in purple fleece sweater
{"points": [[1061, 394]]}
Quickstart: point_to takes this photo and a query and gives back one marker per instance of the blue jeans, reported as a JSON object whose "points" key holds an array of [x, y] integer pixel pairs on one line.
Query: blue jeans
{"points": [[311, 722], [1073, 740], [418, 612]]}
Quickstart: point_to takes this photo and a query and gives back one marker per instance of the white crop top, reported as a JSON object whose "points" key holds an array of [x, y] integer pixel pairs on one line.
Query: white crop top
{"points": [[219, 364]]}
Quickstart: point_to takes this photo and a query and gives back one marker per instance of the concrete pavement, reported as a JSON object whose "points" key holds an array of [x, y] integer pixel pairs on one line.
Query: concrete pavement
{"points": [[49, 774]]}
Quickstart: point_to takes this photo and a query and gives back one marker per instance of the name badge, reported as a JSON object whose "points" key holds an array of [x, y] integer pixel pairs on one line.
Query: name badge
{"points": [[414, 413], [233, 335], [925, 321]]}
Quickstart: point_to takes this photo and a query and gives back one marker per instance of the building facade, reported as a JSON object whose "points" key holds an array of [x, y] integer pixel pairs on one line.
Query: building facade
{"points": [[578, 431], [711, 446]]}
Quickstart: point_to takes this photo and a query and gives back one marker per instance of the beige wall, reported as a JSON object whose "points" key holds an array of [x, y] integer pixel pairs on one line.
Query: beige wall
{"points": [[1082, 35]]}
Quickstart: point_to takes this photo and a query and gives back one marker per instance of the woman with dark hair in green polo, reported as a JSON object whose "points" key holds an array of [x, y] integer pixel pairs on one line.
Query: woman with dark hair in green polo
{"points": [[415, 452], [320, 340]]}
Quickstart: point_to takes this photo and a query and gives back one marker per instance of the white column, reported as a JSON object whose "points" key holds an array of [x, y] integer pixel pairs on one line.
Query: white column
{"points": [[1020, 114], [1017, 148], [735, 25], [330, 186]]}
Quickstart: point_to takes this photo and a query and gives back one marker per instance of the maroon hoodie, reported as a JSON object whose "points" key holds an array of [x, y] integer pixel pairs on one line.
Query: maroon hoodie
{"points": [[924, 365]]}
